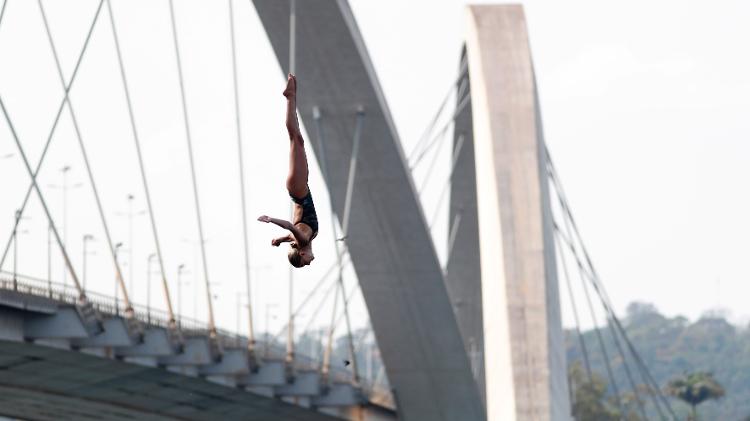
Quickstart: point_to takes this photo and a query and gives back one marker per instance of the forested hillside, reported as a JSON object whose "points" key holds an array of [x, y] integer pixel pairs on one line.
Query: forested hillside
{"points": [[671, 347]]}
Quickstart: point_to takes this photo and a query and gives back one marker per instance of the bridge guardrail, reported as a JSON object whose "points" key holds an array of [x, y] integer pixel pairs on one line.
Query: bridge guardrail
{"points": [[151, 317]]}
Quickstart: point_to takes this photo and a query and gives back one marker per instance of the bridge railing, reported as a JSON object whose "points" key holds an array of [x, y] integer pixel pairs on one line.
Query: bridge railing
{"points": [[108, 306]]}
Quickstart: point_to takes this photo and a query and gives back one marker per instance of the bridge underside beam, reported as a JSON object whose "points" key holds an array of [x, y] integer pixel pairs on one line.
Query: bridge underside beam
{"points": [[391, 248], [150, 380], [72, 385]]}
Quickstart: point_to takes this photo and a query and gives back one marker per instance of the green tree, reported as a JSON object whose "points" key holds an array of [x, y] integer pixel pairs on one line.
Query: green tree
{"points": [[589, 396], [694, 389]]}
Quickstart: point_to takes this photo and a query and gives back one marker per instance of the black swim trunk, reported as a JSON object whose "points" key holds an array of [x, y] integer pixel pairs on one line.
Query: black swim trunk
{"points": [[309, 216]]}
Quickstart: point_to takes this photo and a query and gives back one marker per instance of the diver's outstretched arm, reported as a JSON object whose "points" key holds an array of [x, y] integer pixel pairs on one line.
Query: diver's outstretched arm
{"points": [[283, 224]]}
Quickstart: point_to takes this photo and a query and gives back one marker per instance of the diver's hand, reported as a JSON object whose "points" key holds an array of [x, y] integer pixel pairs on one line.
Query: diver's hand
{"points": [[264, 218]]}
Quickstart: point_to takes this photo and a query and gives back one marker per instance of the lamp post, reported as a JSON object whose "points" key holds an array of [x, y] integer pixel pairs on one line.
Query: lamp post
{"points": [[268, 336], [64, 170], [151, 257], [239, 310], [130, 214], [194, 245], [240, 306], [49, 259], [214, 295], [180, 270], [117, 293], [86, 239], [16, 219]]}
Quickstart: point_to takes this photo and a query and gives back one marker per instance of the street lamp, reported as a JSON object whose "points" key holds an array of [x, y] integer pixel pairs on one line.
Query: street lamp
{"points": [[148, 287], [268, 336], [239, 311], [194, 246], [180, 271], [117, 290], [214, 295], [86, 239], [49, 259], [64, 170], [16, 219], [241, 306], [130, 215]]}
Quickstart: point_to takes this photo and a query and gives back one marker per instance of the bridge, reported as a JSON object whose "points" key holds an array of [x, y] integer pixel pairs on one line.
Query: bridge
{"points": [[478, 336]]}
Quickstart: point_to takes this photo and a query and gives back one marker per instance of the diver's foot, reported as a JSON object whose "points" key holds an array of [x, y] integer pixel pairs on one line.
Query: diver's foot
{"points": [[291, 86]]}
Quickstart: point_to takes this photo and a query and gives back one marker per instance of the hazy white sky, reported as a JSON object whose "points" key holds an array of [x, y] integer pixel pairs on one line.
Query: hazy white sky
{"points": [[645, 106]]}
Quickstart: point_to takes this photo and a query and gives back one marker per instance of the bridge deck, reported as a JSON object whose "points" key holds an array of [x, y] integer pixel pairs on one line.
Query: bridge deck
{"points": [[52, 368], [45, 383]]}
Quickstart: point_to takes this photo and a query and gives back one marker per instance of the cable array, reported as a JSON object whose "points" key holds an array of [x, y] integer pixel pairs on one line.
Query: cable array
{"points": [[569, 244]]}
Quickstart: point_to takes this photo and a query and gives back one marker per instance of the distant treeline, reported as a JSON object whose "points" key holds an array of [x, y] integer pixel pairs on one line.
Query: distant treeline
{"points": [[671, 347]]}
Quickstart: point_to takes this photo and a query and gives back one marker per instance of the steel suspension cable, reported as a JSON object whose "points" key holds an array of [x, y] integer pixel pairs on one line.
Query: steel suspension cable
{"points": [[644, 372], [636, 394], [250, 333], [611, 328], [352, 171], [141, 166], [428, 130], [297, 313], [430, 127], [603, 349], [444, 190], [582, 274], [653, 387], [118, 272], [453, 231], [211, 322], [465, 100], [292, 36], [345, 231], [587, 275], [655, 391], [355, 371], [345, 226], [319, 307], [597, 331], [2, 11], [613, 333], [431, 167], [347, 299], [601, 291], [327, 353], [312, 292], [436, 155], [335, 321], [599, 336], [68, 264], [55, 122], [292, 70], [574, 307]]}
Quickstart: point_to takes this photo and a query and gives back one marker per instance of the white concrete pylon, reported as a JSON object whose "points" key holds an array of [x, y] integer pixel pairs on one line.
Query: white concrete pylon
{"points": [[525, 370]]}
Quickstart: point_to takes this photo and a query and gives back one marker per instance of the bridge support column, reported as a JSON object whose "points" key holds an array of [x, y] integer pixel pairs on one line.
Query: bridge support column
{"points": [[523, 344]]}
